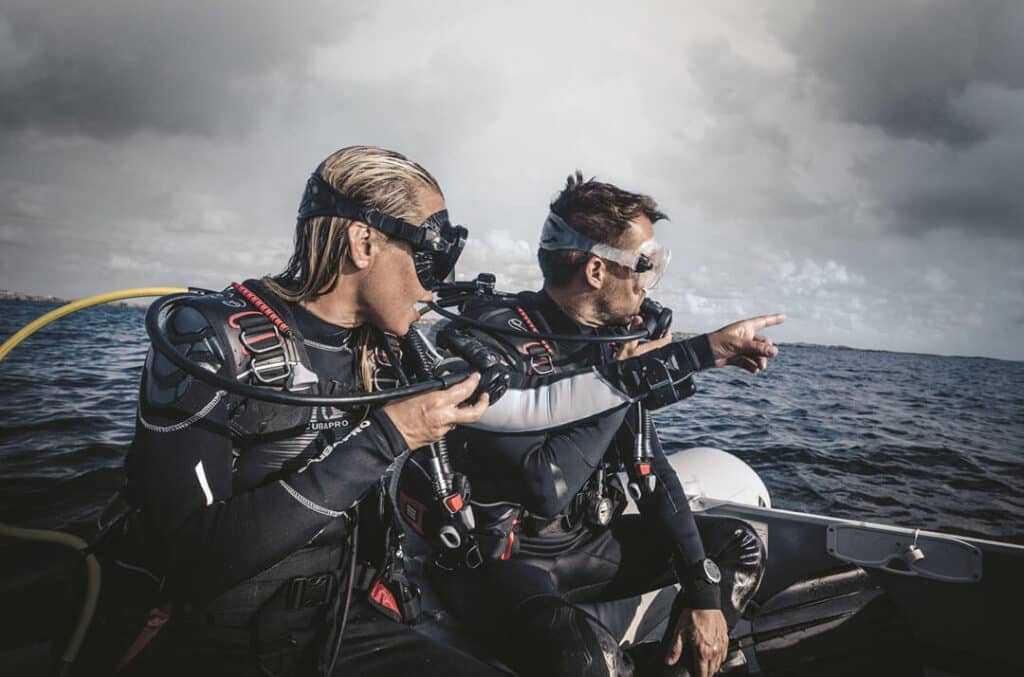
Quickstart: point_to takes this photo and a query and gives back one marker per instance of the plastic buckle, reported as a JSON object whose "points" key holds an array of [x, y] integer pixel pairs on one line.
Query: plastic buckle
{"points": [[383, 599], [398, 599], [485, 283], [408, 601], [306, 592]]}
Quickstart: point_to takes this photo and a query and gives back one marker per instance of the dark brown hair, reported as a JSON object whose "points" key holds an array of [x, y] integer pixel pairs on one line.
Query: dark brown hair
{"points": [[598, 210]]}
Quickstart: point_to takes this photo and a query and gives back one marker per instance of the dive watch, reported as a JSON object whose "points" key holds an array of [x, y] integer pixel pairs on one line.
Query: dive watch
{"points": [[707, 570]]}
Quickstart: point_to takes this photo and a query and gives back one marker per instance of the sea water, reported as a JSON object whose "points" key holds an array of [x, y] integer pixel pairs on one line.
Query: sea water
{"points": [[920, 441]]}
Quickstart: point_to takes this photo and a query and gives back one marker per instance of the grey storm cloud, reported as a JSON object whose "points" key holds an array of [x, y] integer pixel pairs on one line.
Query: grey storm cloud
{"points": [[903, 66], [924, 187], [855, 165], [944, 81], [110, 68]]}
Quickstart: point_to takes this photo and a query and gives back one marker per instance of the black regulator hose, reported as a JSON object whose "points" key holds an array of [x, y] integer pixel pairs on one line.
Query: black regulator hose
{"points": [[161, 343], [656, 317], [440, 463], [449, 492], [507, 331]]}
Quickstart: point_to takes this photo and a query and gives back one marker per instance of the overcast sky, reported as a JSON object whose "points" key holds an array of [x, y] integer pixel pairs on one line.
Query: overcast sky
{"points": [[859, 166]]}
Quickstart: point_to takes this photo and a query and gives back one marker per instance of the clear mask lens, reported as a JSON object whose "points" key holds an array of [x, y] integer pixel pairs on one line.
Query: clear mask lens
{"points": [[659, 257], [649, 263]]}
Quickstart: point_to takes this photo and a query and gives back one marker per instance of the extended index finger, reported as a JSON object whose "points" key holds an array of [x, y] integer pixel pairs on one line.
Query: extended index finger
{"points": [[762, 321]]}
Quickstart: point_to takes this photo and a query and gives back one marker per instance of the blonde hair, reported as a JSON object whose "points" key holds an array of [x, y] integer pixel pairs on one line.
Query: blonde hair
{"points": [[376, 177]]}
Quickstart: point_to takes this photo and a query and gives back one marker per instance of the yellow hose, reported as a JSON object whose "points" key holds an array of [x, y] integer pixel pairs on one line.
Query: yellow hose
{"points": [[92, 566], [57, 313], [92, 586]]}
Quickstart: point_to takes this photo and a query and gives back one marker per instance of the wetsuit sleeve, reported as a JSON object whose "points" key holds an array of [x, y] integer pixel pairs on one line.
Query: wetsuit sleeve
{"points": [[544, 402], [544, 471], [180, 474], [668, 507]]}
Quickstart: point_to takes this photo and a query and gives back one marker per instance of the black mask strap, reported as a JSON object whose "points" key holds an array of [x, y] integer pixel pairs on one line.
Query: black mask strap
{"points": [[321, 199], [436, 244]]}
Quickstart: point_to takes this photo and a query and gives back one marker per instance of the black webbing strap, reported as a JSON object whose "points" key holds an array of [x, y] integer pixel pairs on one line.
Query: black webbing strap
{"points": [[266, 346]]}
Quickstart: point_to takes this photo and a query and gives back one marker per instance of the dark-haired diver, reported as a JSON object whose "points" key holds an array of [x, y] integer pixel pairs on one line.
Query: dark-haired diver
{"points": [[247, 513], [548, 503]]}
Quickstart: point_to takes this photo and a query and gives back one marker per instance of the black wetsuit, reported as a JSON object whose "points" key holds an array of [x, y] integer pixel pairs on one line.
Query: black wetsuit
{"points": [[543, 482], [250, 522]]}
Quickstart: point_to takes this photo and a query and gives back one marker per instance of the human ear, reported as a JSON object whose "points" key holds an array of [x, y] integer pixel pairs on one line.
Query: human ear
{"points": [[360, 245], [594, 271]]}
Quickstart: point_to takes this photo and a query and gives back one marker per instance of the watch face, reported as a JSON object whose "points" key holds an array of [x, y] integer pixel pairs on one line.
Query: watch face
{"points": [[712, 572]]}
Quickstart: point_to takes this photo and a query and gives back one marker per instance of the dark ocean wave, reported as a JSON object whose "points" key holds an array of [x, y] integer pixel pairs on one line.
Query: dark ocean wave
{"points": [[916, 440], [46, 424]]}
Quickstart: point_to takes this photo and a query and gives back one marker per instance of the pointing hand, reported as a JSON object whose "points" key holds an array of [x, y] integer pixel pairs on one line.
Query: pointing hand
{"points": [[740, 344]]}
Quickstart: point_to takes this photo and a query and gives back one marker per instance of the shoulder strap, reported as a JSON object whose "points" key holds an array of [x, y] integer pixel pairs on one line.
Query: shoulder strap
{"points": [[262, 346], [541, 354], [264, 336], [538, 354]]}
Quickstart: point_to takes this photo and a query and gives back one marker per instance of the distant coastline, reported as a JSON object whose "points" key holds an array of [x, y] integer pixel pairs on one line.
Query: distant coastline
{"points": [[8, 295]]}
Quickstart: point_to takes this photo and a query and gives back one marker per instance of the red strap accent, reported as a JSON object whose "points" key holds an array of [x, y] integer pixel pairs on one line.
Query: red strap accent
{"points": [[155, 621], [262, 307], [233, 320], [454, 503], [260, 337], [511, 540], [380, 594], [533, 328], [643, 468]]}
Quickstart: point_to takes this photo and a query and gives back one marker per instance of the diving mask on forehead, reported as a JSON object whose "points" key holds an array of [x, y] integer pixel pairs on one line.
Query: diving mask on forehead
{"points": [[649, 262], [436, 244]]}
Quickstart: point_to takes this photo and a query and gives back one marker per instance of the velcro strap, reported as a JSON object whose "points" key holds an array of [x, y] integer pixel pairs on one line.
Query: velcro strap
{"points": [[307, 592]]}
